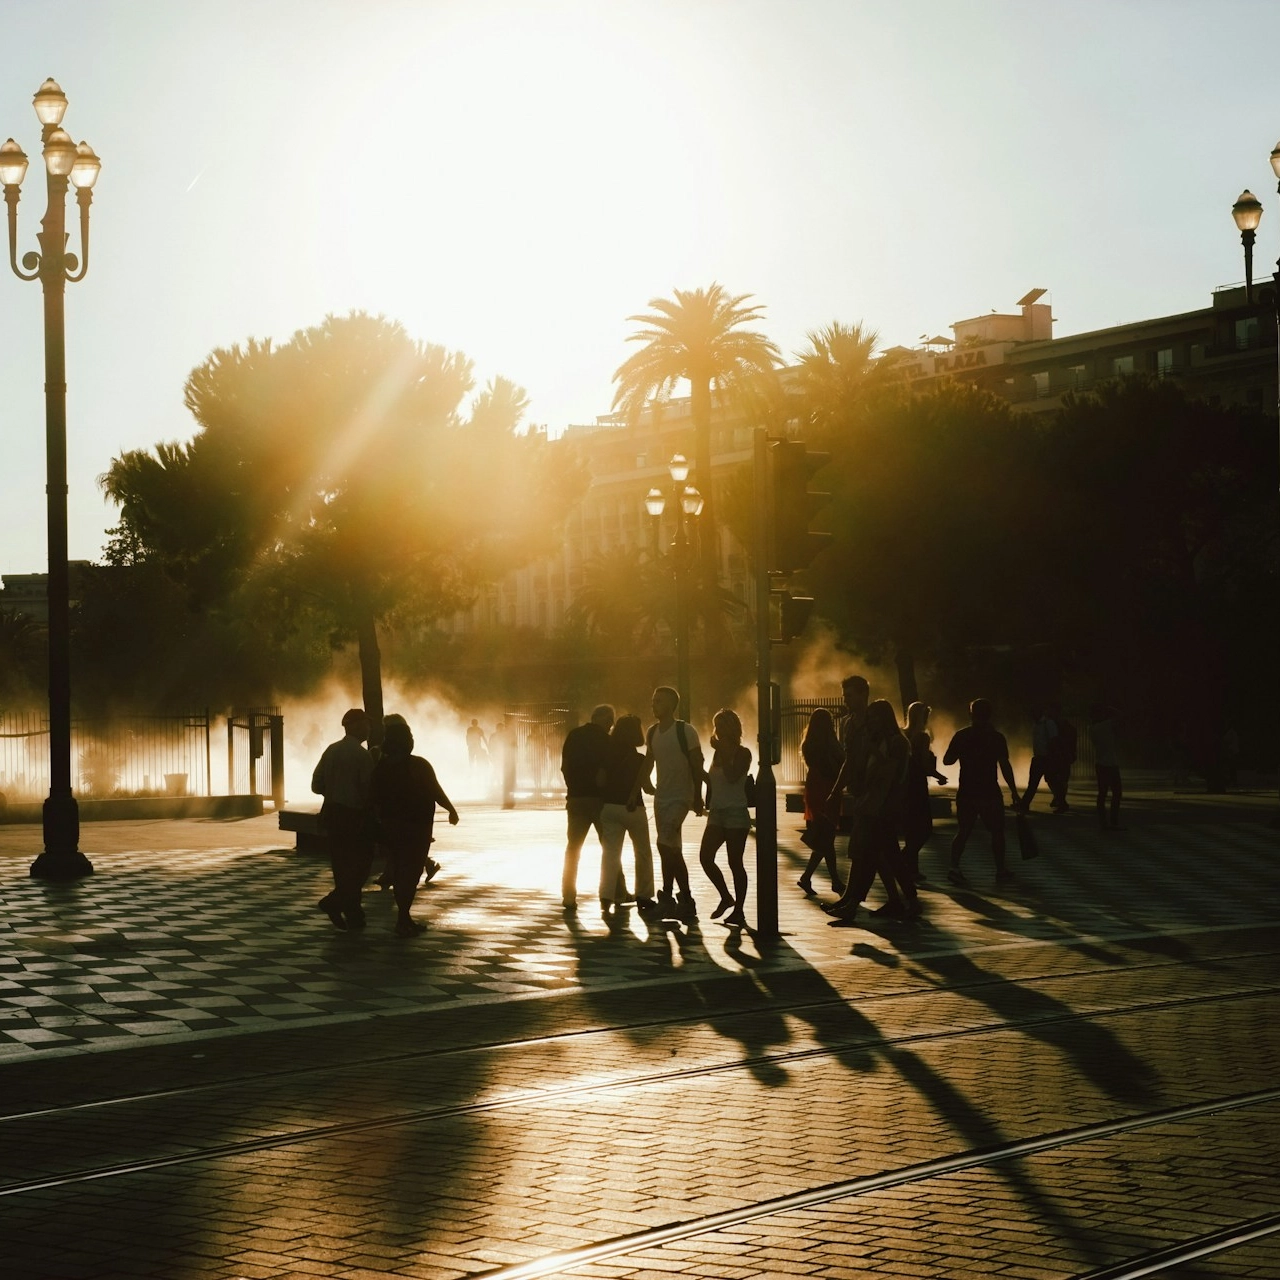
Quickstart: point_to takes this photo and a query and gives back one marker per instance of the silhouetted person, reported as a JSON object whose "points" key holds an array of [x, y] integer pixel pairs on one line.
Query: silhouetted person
{"points": [[343, 777], [728, 816], [1102, 733], [405, 794], [823, 757], [1043, 734], [1062, 755], [583, 762], [477, 755], [922, 766], [878, 810], [852, 780], [620, 817], [983, 753], [676, 753]]}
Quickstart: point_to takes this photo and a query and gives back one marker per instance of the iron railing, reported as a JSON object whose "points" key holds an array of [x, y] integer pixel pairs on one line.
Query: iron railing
{"points": [[121, 756]]}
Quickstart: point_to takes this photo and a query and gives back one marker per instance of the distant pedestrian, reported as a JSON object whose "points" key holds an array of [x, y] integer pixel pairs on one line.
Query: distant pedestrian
{"points": [[982, 752], [879, 810], [921, 769], [1043, 733], [823, 757], [1102, 733], [728, 816], [477, 747], [1062, 755], [621, 816], [405, 794], [343, 776], [676, 754], [583, 762]]}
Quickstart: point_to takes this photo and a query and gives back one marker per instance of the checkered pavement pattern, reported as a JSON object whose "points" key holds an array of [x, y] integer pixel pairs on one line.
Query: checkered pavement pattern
{"points": [[219, 940]]}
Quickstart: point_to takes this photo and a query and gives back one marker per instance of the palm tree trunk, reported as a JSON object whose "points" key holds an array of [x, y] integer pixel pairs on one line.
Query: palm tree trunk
{"points": [[708, 534], [905, 661], [371, 675]]}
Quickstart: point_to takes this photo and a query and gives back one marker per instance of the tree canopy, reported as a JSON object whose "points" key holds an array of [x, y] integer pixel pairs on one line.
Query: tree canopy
{"points": [[346, 473]]}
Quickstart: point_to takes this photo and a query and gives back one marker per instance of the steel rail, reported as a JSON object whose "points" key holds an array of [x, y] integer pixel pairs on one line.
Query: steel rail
{"points": [[321, 1133], [1205, 1246], [571, 1259]]}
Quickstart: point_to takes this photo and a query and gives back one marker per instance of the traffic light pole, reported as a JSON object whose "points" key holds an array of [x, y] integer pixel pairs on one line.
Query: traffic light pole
{"points": [[766, 788]]}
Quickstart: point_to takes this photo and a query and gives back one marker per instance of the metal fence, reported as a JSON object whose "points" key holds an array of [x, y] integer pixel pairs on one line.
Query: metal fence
{"points": [[795, 718], [123, 756], [255, 753], [532, 737]]}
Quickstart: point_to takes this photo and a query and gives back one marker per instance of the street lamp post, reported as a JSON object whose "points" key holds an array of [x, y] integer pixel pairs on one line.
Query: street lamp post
{"points": [[65, 163], [1247, 212], [688, 503]]}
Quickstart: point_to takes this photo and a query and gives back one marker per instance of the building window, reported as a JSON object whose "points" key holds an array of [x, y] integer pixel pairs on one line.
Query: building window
{"points": [[1121, 366], [1164, 362], [1041, 381], [1246, 333], [1076, 376]]}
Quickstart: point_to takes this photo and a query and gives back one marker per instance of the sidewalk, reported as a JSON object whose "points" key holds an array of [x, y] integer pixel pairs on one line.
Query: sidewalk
{"points": [[194, 929]]}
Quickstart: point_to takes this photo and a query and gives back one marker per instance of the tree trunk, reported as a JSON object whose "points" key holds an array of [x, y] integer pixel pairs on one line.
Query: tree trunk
{"points": [[905, 661], [371, 676], [708, 534]]}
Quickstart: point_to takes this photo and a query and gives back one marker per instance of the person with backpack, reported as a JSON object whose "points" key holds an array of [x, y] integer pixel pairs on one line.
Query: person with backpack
{"points": [[730, 795], [673, 750]]}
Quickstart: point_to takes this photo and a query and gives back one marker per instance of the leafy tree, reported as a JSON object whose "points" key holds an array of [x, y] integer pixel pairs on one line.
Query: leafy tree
{"points": [[343, 476], [697, 336], [930, 500]]}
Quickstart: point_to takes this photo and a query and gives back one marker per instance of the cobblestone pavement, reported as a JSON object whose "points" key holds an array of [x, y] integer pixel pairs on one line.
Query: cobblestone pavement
{"points": [[512, 1085]]}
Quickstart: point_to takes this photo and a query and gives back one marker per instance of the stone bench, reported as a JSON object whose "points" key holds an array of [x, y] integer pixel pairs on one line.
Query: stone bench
{"points": [[305, 825]]}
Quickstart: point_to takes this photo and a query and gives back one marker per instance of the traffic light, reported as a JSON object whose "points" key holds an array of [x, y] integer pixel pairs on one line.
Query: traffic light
{"points": [[792, 465], [787, 615]]}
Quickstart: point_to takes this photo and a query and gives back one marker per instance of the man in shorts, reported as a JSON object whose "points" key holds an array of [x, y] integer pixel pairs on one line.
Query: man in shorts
{"points": [[981, 750], [674, 749]]}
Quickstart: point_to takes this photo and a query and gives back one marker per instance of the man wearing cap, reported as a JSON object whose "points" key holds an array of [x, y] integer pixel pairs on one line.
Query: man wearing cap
{"points": [[343, 778]]}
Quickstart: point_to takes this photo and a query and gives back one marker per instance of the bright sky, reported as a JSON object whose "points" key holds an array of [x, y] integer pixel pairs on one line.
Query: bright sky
{"points": [[515, 178]]}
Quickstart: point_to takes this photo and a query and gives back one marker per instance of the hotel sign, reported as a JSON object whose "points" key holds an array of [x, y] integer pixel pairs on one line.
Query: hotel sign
{"points": [[970, 359]]}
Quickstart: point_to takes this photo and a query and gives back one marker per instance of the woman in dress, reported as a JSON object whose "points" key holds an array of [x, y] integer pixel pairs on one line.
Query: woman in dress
{"points": [[823, 758], [921, 767], [405, 795], [728, 816], [624, 763]]}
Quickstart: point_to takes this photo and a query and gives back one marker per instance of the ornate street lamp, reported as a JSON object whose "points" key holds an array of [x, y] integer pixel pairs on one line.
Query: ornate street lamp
{"points": [[1247, 212], [65, 163], [688, 502]]}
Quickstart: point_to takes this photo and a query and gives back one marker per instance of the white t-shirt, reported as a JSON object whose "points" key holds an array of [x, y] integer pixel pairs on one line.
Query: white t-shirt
{"points": [[674, 777]]}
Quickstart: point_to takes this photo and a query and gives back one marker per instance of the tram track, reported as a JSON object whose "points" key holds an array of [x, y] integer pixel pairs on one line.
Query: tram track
{"points": [[1159, 1261], [577, 1034], [528, 1097], [620, 1246]]}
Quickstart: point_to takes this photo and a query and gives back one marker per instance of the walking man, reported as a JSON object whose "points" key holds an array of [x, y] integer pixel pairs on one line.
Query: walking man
{"points": [[343, 778], [1043, 757], [981, 751], [855, 738], [673, 747], [583, 762], [1102, 733]]}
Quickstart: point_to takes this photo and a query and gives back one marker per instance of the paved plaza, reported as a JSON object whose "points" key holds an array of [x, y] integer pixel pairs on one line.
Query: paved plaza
{"points": [[203, 1078]]}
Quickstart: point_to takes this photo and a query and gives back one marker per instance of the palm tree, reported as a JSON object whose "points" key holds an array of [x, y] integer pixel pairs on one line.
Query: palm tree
{"points": [[836, 372], [698, 336]]}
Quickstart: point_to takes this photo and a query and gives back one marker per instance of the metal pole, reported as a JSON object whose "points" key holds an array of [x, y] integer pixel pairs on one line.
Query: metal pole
{"points": [[682, 613], [61, 859], [766, 789]]}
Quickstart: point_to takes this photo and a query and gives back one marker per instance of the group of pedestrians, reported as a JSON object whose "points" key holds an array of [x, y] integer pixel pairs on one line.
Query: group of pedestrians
{"points": [[389, 804], [610, 765]]}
